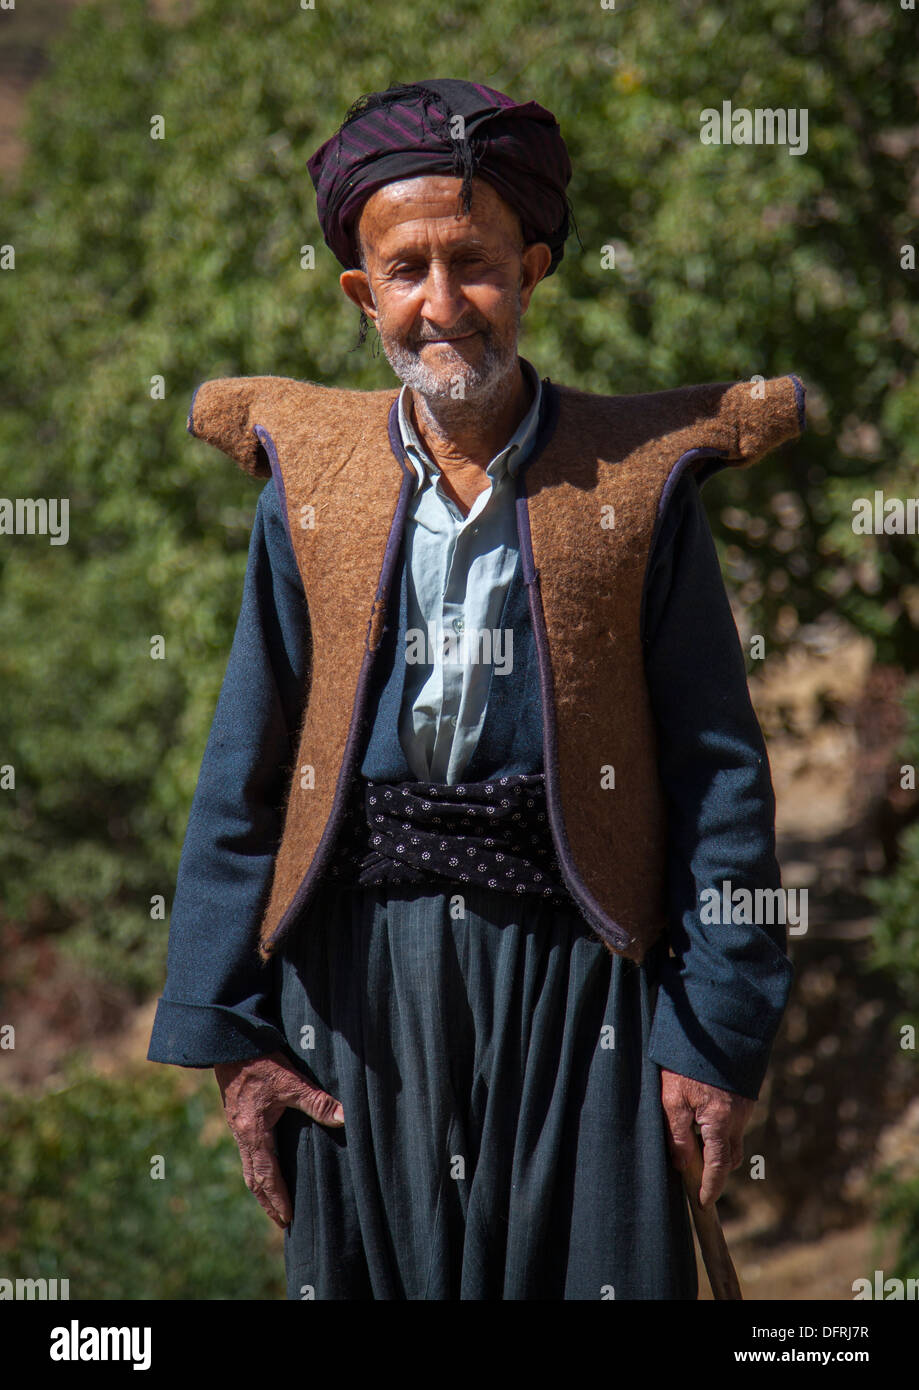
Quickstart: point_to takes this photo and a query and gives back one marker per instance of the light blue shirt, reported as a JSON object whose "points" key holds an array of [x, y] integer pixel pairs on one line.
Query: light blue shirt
{"points": [[459, 571]]}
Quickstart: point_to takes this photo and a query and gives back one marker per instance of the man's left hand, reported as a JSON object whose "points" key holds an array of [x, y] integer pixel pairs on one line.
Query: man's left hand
{"points": [[722, 1117]]}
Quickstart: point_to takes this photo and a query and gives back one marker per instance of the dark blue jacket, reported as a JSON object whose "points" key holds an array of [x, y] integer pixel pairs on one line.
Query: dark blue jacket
{"points": [[718, 1006]]}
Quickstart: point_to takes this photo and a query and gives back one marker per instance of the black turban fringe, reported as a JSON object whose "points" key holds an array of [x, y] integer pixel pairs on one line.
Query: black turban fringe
{"points": [[410, 130]]}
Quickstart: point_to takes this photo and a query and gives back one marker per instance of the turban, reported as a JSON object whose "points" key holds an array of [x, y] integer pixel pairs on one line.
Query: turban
{"points": [[410, 130]]}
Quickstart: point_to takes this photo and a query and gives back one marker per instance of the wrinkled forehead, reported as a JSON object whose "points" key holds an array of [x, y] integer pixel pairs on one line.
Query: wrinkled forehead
{"points": [[431, 204]]}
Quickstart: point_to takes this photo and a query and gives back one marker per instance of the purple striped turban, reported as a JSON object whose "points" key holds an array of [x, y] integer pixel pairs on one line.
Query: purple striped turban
{"points": [[408, 130]]}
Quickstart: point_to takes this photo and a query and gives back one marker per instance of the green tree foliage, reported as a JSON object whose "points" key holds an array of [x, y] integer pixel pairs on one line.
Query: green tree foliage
{"points": [[895, 950], [131, 1187], [896, 939], [898, 1211]]}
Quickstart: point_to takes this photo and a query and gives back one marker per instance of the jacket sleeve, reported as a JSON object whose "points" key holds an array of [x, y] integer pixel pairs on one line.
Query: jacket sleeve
{"points": [[723, 989], [217, 1001]]}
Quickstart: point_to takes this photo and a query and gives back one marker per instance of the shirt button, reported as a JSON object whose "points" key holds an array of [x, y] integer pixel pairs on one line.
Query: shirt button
{"points": [[459, 624]]}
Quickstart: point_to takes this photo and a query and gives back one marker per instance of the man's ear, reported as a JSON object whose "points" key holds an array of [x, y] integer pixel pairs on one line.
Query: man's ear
{"points": [[536, 259], [356, 285]]}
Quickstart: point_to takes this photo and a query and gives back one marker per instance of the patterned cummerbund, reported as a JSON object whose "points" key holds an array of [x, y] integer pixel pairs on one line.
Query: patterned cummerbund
{"points": [[493, 833]]}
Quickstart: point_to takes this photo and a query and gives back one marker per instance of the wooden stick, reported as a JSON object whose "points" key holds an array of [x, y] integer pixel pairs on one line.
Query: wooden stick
{"points": [[715, 1254]]}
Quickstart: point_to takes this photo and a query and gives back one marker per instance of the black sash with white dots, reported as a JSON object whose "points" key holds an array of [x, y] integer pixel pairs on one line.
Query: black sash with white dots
{"points": [[494, 833]]}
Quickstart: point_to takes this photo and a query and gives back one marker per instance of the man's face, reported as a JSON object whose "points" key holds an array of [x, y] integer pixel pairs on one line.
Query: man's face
{"points": [[445, 293]]}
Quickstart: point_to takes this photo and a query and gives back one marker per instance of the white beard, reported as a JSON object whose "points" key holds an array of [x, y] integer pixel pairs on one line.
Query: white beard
{"points": [[456, 379]]}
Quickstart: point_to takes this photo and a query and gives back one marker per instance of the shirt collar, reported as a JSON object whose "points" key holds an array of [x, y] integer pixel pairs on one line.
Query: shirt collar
{"points": [[510, 457]]}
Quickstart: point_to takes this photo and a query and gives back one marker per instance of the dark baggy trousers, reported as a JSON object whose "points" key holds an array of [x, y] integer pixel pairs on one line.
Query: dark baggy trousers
{"points": [[504, 1136]]}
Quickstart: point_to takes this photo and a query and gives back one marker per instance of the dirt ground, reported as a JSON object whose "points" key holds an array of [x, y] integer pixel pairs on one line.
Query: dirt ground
{"points": [[822, 1269]]}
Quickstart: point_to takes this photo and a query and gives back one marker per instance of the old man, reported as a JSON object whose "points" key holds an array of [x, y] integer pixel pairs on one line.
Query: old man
{"points": [[484, 738]]}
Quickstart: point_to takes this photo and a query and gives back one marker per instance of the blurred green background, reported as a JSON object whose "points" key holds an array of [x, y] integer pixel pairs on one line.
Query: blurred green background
{"points": [[138, 258]]}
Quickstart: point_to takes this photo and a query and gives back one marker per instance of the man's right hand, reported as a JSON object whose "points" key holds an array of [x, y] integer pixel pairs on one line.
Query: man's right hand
{"points": [[255, 1095]]}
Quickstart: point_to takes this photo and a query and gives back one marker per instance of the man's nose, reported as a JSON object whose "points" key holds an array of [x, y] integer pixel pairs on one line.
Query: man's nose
{"points": [[444, 302]]}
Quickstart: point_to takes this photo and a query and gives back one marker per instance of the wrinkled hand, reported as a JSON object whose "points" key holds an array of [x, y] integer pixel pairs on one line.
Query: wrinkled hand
{"points": [[722, 1117], [255, 1095]]}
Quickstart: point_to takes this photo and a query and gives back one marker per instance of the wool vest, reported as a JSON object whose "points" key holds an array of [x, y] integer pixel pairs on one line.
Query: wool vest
{"points": [[589, 501]]}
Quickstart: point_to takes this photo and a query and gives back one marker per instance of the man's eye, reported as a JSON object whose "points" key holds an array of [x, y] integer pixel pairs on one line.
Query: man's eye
{"points": [[472, 258]]}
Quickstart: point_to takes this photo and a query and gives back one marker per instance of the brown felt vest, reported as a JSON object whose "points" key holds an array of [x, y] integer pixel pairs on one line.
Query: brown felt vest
{"points": [[593, 494]]}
